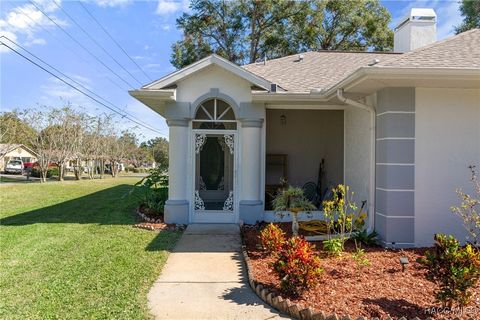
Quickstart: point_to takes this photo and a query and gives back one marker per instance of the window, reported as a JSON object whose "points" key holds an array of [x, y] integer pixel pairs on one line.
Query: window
{"points": [[215, 114]]}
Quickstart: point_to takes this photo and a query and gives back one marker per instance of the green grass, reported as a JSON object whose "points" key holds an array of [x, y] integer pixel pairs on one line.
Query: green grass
{"points": [[68, 250]]}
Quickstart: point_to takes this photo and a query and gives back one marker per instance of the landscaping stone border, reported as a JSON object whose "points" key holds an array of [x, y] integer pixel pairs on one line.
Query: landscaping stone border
{"points": [[146, 218], [288, 307], [156, 224]]}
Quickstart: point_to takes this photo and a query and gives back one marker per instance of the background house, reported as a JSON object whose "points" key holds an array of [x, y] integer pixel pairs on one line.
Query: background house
{"points": [[15, 151]]}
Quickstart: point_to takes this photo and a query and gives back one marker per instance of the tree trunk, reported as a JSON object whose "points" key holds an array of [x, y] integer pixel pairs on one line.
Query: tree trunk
{"points": [[102, 168], [77, 169], [43, 175], [60, 171]]}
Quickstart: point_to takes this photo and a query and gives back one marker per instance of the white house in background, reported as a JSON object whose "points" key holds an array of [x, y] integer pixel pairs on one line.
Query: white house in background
{"points": [[399, 128], [9, 151]]}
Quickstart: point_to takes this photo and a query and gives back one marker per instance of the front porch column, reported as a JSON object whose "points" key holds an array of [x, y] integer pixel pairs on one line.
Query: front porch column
{"points": [[251, 205], [176, 207]]}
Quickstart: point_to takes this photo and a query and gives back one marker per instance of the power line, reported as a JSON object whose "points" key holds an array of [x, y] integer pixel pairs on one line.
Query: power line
{"points": [[81, 45], [74, 81], [35, 24], [95, 41], [113, 39], [77, 89]]}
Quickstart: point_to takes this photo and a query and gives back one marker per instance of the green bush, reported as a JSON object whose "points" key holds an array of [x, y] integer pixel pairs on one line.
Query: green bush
{"points": [[333, 246], [272, 238], [297, 266], [152, 190], [454, 268], [369, 239], [50, 172]]}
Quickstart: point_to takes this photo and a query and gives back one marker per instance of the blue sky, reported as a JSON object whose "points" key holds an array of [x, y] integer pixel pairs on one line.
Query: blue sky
{"points": [[145, 29]]}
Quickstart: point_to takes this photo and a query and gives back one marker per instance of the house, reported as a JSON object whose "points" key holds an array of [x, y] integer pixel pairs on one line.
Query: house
{"points": [[400, 128], [17, 151]]}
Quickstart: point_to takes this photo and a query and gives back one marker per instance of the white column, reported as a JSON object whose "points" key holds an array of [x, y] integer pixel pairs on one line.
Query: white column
{"points": [[177, 161], [251, 160]]}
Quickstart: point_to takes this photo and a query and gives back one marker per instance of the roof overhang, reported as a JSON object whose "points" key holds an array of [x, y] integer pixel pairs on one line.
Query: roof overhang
{"points": [[172, 79], [367, 80]]}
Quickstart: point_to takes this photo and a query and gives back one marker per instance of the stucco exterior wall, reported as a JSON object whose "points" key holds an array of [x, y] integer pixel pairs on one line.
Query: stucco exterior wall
{"points": [[447, 141], [307, 137], [358, 153], [200, 83]]}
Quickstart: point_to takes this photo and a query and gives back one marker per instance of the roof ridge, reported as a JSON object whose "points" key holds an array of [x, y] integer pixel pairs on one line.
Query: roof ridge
{"points": [[323, 51], [436, 43]]}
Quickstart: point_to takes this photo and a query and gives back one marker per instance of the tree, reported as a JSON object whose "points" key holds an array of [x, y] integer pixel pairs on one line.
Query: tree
{"points": [[248, 30], [13, 130], [68, 133], [158, 147], [470, 10], [44, 140]]}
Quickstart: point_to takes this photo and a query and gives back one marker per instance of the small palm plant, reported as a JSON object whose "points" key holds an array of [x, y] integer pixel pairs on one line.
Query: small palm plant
{"points": [[294, 201]]}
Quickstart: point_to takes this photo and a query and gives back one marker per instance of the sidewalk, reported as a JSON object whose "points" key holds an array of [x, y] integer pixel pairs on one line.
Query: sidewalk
{"points": [[204, 278]]}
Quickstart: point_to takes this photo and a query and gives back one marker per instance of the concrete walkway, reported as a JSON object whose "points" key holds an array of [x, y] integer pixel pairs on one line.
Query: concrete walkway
{"points": [[204, 278]]}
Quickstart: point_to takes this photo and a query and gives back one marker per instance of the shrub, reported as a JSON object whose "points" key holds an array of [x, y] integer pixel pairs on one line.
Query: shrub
{"points": [[333, 246], [359, 256], [369, 239], [469, 209], [272, 238], [50, 172], [454, 268], [152, 190], [340, 214], [297, 266]]}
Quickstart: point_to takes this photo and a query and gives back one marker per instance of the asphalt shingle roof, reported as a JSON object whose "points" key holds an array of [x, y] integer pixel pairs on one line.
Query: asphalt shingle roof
{"points": [[324, 69], [460, 51], [319, 69]]}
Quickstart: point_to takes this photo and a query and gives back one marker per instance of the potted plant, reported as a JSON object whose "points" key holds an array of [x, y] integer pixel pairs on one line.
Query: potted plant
{"points": [[294, 201]]}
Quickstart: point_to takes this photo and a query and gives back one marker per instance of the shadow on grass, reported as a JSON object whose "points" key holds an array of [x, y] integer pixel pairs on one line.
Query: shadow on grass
{"points": [[110, 206]]}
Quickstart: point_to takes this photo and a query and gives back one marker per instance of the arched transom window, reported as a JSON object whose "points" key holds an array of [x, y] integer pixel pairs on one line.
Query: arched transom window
{"points": [[215, 114]]}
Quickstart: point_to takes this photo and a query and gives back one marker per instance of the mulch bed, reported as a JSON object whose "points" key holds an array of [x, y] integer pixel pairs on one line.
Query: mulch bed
{"points": [[378, 290], [152, 220]]}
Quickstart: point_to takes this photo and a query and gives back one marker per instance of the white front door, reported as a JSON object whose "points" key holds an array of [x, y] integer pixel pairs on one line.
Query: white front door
{"points": [[214, 199]]}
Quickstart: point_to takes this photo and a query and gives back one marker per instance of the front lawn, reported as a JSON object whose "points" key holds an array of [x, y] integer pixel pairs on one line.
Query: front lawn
{"points": [[68, 251]]}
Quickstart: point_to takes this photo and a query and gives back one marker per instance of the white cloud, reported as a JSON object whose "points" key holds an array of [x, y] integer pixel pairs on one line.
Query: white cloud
{"points": [[55, 90], [166, 27], [23, 23], [112, 3], [39, 41], [166, 7]]}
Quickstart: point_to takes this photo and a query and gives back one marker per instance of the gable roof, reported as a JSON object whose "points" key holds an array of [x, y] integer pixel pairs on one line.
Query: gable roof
{"points": [[170, 80], [460, 52], [6, 148], [318, 69]]}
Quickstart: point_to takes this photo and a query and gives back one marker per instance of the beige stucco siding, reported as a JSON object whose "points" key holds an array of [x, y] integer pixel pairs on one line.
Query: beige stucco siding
{"points": [[200, 83], [358, 153], [16, 153], [447, 141]]}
